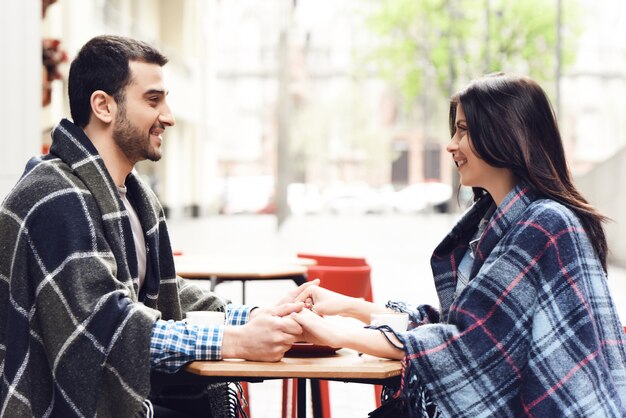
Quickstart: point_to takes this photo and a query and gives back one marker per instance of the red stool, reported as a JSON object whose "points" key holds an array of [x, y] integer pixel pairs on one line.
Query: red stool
{"points": [[350, 276]]}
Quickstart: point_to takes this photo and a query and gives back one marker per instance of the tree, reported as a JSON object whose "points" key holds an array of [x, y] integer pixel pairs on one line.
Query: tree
{"points": [[445, 42], [338, 131], [427, 48]]}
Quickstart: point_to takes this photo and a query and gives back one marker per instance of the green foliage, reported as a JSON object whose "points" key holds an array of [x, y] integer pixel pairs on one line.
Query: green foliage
{"points": [[340, 129], [446, 42]]}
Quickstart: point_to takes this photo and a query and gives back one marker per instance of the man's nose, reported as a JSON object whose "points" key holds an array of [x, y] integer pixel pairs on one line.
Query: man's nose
{"points": [[167, 117]]}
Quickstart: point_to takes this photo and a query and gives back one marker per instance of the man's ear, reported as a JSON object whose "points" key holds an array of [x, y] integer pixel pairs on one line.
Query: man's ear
{"points": [[103, 106]]}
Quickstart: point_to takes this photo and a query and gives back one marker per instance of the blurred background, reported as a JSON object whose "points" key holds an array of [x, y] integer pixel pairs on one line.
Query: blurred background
{"points": [[321, 125], [304, 107]]}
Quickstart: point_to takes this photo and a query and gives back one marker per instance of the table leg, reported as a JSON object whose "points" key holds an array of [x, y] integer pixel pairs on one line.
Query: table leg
{"points": [[243, 292], [302, 398], [213, 283], [316, 398]]}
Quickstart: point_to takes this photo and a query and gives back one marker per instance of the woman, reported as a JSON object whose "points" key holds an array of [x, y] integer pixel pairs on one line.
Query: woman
{"points": [[526, 325]]}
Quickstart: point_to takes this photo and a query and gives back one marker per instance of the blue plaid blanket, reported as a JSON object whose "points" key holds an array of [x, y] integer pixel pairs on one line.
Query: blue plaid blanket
{"points": [[535, 332]]}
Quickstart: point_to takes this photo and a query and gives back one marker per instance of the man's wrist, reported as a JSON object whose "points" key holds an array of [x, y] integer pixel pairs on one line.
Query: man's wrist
{"points": [[255, 310], [230, 342]]}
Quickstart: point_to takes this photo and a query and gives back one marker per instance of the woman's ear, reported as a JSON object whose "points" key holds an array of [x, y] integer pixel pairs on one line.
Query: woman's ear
{"points": [[103, 106]]}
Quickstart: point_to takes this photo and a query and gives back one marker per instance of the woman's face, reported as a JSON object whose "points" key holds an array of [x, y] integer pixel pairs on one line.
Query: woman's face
{"points": [[474, 171]]}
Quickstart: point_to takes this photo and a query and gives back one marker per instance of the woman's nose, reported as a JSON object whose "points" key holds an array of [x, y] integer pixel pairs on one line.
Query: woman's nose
{"points": [[453, 145]]}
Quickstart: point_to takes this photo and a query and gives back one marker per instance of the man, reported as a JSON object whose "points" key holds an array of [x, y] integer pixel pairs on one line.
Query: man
{"points": [[91, 302]]}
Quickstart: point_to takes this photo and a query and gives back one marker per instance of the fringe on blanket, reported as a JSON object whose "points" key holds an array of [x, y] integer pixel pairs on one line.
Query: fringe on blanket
{"points": [[410, 399], [237, 401]]}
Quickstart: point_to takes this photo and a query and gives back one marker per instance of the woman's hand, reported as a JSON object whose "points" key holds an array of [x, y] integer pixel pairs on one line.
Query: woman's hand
{"points": [[322, 331], [325, 302], [318, 330], [292, 295], [289, 298]]}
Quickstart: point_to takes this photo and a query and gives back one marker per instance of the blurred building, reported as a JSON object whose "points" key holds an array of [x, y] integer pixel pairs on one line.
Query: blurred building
{"points": [[277, 92], [293, 75], [182, 178], [20, 84], [594, 87]]}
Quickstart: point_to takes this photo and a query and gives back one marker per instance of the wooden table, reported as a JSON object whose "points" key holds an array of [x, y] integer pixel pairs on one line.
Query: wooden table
{"points": [[346, 365], [241, 269]]}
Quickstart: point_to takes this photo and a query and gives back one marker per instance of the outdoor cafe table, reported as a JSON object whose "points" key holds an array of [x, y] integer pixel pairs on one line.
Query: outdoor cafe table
{"points": [[345, 365], [241, 269]]}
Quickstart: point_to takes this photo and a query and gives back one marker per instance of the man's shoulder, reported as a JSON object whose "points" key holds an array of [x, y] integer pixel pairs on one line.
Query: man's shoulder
{"points": [[44, 181]]}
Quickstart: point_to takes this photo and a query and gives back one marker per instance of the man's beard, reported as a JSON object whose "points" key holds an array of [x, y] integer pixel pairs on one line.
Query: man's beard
{"points": [[133, 143]]}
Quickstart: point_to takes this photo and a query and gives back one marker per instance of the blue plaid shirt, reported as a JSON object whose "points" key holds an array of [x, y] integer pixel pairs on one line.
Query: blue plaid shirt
{"points": [[175, 343]]}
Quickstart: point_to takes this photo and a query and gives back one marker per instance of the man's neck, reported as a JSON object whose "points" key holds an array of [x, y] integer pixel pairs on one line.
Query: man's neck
{"points": [[118, 166]]}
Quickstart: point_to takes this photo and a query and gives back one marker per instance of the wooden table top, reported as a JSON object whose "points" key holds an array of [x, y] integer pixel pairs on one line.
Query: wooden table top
{"points": [[345, 364], [244, 267]]}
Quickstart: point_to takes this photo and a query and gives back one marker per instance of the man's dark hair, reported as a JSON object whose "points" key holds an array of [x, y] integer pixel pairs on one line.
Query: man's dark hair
{"points": [[103, 64]]}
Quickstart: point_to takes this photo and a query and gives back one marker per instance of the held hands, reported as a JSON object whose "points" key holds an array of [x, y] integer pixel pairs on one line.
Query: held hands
{"points": [[325, 302], [318, 330], [289, 298], [318, 299], [322, 331], [292, 295], [266, 337]]}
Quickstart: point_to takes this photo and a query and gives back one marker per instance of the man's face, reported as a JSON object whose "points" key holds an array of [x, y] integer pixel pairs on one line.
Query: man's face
{"points": [[143, 115]]}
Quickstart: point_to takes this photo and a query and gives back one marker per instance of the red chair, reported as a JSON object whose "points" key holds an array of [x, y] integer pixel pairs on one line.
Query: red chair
{"points": [[331, 260], [350, 276]]}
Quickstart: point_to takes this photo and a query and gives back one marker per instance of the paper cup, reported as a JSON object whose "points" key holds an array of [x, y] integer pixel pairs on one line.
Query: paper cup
{"points": [[397, 321], [204, 318]]}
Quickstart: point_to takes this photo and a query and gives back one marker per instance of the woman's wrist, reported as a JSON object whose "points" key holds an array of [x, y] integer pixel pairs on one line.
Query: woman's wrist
{"points": [[361, 309], [371, 342]]}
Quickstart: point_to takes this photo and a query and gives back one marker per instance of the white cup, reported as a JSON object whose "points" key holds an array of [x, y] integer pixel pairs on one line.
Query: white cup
{"points": [[397, 321], [204, 318]]}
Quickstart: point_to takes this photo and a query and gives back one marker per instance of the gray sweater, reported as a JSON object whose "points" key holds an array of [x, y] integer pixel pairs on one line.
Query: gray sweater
{"points": [[74, 341]]}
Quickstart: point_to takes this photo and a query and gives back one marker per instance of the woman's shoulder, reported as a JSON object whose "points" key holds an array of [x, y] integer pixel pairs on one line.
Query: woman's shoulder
{"points": [[551, 216]]}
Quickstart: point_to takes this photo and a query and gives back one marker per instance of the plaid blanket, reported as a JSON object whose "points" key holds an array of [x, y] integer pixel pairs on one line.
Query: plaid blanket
{"points": [[74, 342], [535, 332]]}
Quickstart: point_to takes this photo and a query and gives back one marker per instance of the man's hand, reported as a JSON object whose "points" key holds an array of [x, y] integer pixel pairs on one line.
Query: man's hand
{"points": [[292, 295], [266, 337]]}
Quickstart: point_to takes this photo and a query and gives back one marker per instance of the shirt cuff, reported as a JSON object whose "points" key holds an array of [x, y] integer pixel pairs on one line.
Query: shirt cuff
{"points": [[175, 343], [238, 314]]}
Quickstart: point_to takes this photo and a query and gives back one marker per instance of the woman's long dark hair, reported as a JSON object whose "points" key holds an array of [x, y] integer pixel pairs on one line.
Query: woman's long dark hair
{"points": [[512, 125]]}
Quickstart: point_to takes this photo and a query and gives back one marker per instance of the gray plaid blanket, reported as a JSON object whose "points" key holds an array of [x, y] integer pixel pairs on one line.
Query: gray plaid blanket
{"points": [[74, 342]]}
